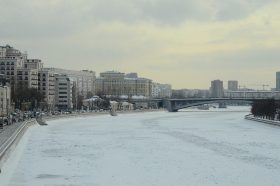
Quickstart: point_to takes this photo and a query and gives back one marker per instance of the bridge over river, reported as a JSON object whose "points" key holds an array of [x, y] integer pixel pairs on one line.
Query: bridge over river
{"points": [[173, 105]]}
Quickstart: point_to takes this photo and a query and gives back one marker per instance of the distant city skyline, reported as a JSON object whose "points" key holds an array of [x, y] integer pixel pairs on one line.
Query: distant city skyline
{"points": [[186, 43]]}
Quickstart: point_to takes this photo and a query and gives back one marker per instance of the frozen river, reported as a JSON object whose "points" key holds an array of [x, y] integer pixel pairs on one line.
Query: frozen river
{"points": [[160, 148]]}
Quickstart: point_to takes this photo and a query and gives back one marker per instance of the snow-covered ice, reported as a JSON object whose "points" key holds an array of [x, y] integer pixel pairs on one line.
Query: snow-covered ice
{"points": [[159, 148]]}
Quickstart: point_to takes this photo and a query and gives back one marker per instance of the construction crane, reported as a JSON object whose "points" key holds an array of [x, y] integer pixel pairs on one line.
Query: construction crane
{"points": [[265, 86], [242, 87], [261, 85]]}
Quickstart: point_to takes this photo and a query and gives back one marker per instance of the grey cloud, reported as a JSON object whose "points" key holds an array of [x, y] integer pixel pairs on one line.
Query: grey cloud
{"points": [[39, 18], [174, 11], [256, 58], [237, 9], [253, 59], [26, 19]]}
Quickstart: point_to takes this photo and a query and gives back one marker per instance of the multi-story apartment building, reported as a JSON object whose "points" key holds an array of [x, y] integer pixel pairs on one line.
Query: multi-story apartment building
{"points": [[33, 64], [10, 61], [111, 83], [114, 83], [27, 78], [138, 87], [161, 90], [217, 89], [46, 85], [233, 85], [84, 80], [155, 90], [5, 100], [63, 92], [5, 97]]}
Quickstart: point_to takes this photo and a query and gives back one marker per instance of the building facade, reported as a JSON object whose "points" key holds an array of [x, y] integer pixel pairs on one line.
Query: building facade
{"points": [[112, 83], [252, 94], [84, 80], [27, 78], [46, 86], [161, 90], [217, 89], [233, 85], [63, 92], [10, 61], [5, 97]]}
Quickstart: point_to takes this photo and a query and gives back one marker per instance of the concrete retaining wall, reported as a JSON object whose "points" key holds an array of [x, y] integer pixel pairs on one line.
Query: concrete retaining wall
{"points": [[270, 122], [10, 144]]}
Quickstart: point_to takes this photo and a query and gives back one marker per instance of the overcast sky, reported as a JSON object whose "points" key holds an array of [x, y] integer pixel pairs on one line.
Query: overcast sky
{"points": [[186, 43]]}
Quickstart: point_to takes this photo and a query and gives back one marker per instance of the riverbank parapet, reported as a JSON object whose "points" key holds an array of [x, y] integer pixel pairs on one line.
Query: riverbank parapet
{"points": [[10, 138], [267, 121]]}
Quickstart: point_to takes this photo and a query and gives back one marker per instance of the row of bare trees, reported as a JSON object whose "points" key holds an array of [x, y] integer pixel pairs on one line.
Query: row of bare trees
{"points": [[27, 98], [265, 108]]}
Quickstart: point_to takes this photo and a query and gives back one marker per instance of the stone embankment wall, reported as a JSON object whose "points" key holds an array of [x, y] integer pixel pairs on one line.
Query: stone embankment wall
{"points": [[9, 139], [267, 121]]}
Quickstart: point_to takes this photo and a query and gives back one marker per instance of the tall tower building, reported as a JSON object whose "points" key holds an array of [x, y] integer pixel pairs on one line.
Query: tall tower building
{"points": [[278, 81], [217, 89], [232, 85]]}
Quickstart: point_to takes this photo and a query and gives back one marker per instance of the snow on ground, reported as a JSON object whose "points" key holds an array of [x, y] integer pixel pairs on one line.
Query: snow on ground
{"points": [[159, 148]]}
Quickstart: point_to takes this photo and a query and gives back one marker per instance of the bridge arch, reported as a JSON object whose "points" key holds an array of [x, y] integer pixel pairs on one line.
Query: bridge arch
{"points": [[175, 105]]}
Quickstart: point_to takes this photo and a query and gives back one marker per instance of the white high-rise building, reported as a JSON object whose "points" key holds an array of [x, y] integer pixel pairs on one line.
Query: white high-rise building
{"points": [[63, 92], [46, 85]]}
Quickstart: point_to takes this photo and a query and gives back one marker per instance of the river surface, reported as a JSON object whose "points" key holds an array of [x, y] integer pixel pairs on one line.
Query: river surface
{"points": [[147, 149]]}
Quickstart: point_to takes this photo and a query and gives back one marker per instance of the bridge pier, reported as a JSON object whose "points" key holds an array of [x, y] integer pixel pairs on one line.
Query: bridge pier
{"points": [[170, 106]]}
